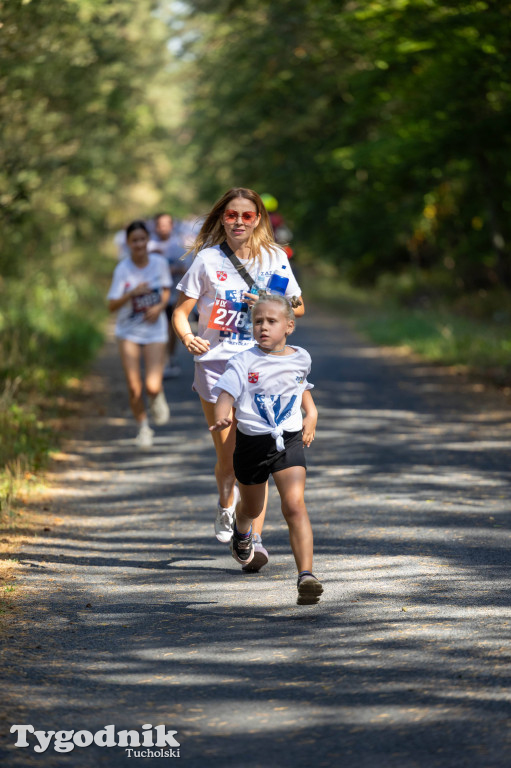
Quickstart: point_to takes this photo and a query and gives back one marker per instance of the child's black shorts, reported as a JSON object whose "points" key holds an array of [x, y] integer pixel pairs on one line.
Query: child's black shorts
{"points": [[256, 456]]}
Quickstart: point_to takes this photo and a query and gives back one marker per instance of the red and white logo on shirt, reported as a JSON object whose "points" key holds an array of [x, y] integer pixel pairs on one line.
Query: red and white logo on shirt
{"points": [[253, 378], [221, 276]]}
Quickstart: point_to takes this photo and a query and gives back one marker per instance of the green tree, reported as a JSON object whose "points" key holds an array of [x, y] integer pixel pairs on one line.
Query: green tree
{"points": [[381, 126], [77, 123]]}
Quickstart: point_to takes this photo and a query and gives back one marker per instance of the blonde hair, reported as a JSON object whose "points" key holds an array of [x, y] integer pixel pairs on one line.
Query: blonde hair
{"points": [[275, 298], [212, 231]]}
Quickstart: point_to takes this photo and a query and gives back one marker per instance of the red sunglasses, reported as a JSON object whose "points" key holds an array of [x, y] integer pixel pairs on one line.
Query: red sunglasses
{"points": [[247, 217]]}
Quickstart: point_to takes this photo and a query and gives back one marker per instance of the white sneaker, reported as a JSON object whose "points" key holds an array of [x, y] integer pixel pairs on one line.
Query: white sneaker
{"points": [[159, 409], [144, 439], [225, 518], [171, 371]]}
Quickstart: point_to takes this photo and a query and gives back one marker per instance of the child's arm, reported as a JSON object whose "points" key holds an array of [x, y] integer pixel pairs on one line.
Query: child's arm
{"points": [[310, 419], [223, 408]]}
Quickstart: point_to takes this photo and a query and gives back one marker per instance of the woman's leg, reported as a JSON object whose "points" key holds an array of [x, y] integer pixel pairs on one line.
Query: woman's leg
{"points": [[291, 487], [224, 443], [130, 357], [225, 479], [154, 359]]}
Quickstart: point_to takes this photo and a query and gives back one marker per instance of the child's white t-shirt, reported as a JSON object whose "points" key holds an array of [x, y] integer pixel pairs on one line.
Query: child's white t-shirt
{"points": [[219, 288], [131, 323], [267, 390]]}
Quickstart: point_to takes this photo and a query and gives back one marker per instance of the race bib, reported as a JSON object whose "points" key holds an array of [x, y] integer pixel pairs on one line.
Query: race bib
{"points": [[146, 300], [229, 315]]}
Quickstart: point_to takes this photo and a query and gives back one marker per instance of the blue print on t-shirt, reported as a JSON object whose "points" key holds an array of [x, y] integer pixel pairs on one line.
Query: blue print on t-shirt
{"points": [[274, 402]]}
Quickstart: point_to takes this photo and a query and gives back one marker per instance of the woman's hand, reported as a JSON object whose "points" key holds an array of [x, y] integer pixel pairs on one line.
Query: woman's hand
{"points": [[221, 424], [195, 344], [250, 299]]}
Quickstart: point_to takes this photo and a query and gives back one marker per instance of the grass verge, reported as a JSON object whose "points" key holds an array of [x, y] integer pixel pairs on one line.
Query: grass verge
{"points": [[51, 327], [471, 331]]}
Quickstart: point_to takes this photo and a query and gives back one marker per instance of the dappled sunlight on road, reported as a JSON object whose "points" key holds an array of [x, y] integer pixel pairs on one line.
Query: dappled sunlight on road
{"points": [[147, 615]]}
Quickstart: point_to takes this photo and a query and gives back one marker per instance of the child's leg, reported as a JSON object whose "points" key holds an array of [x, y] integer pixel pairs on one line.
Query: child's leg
{"points": [[130, 357], [290, 484], [259, 521], [250, 506]]}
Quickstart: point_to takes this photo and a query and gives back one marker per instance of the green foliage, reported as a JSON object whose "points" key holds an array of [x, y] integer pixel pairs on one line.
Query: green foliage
{"points": [[23, 435], [440, 336], [83, 146], [54, 330], [49, 333], [380, 126], [420, 311], [78, 120]]}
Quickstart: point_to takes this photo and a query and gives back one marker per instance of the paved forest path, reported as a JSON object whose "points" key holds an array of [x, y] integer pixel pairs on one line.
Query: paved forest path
{"points": [[132, 613]]}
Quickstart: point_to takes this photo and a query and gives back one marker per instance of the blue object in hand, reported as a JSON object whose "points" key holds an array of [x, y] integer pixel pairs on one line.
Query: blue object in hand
{"points": [[278, 281]]}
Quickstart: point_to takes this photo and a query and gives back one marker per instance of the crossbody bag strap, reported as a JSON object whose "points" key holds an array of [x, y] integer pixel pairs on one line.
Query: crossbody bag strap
{"points": [[236, 263]]}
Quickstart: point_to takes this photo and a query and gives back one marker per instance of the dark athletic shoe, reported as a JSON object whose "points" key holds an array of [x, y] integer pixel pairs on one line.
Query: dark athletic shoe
{"points": [[242, 549], [260, 557], [309, 589]]}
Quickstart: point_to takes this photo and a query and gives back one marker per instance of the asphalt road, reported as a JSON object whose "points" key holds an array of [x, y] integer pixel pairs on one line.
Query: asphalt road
{"points": [[131, 613]]}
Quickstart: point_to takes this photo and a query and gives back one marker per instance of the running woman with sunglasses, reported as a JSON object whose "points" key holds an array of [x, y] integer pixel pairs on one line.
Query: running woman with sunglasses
{"points": [[240, 221]]}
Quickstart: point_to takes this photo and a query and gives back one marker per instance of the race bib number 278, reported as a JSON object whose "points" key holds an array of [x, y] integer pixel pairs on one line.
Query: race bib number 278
{"points": [[228, 315]]}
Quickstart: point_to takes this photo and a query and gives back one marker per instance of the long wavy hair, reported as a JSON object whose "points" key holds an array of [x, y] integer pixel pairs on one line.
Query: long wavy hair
{"points": [[212, 231]]}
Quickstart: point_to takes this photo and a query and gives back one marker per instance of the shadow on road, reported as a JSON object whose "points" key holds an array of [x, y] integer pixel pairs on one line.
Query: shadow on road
{"points": [[133, 613]]}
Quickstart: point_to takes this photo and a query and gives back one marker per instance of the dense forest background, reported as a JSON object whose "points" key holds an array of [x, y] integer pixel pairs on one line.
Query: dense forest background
{"points": [[381, 127]]}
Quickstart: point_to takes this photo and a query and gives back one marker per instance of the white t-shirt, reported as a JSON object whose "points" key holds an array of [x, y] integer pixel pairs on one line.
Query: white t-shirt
{"points": [[131, 323], [267, 390], [213, 279]]}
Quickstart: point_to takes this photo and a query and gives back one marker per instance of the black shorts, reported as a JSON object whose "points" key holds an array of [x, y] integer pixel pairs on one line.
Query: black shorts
{"points": [[256, 456]]}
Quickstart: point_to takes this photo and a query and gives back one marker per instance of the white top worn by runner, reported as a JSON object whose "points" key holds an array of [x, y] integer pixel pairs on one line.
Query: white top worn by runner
{"points": [[219, 288], [131, 323], [267, 391]]}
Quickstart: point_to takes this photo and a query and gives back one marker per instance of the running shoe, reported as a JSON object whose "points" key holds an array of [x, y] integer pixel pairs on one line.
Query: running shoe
{"points": [[144, 439], [260, 558], [242, 549], [159, 409], [224, 519], [309, 589]]}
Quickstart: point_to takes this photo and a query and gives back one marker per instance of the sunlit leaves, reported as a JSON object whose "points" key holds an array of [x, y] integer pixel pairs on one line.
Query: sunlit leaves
{"points": [[360, 110], [77, 118]]}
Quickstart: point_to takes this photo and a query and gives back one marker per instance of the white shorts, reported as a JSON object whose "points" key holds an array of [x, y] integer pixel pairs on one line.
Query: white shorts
{"points": [[205, 378]]}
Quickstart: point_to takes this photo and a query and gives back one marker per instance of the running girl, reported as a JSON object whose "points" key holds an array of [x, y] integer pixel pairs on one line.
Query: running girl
{"points": [[267, 384], [139, 293]]}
